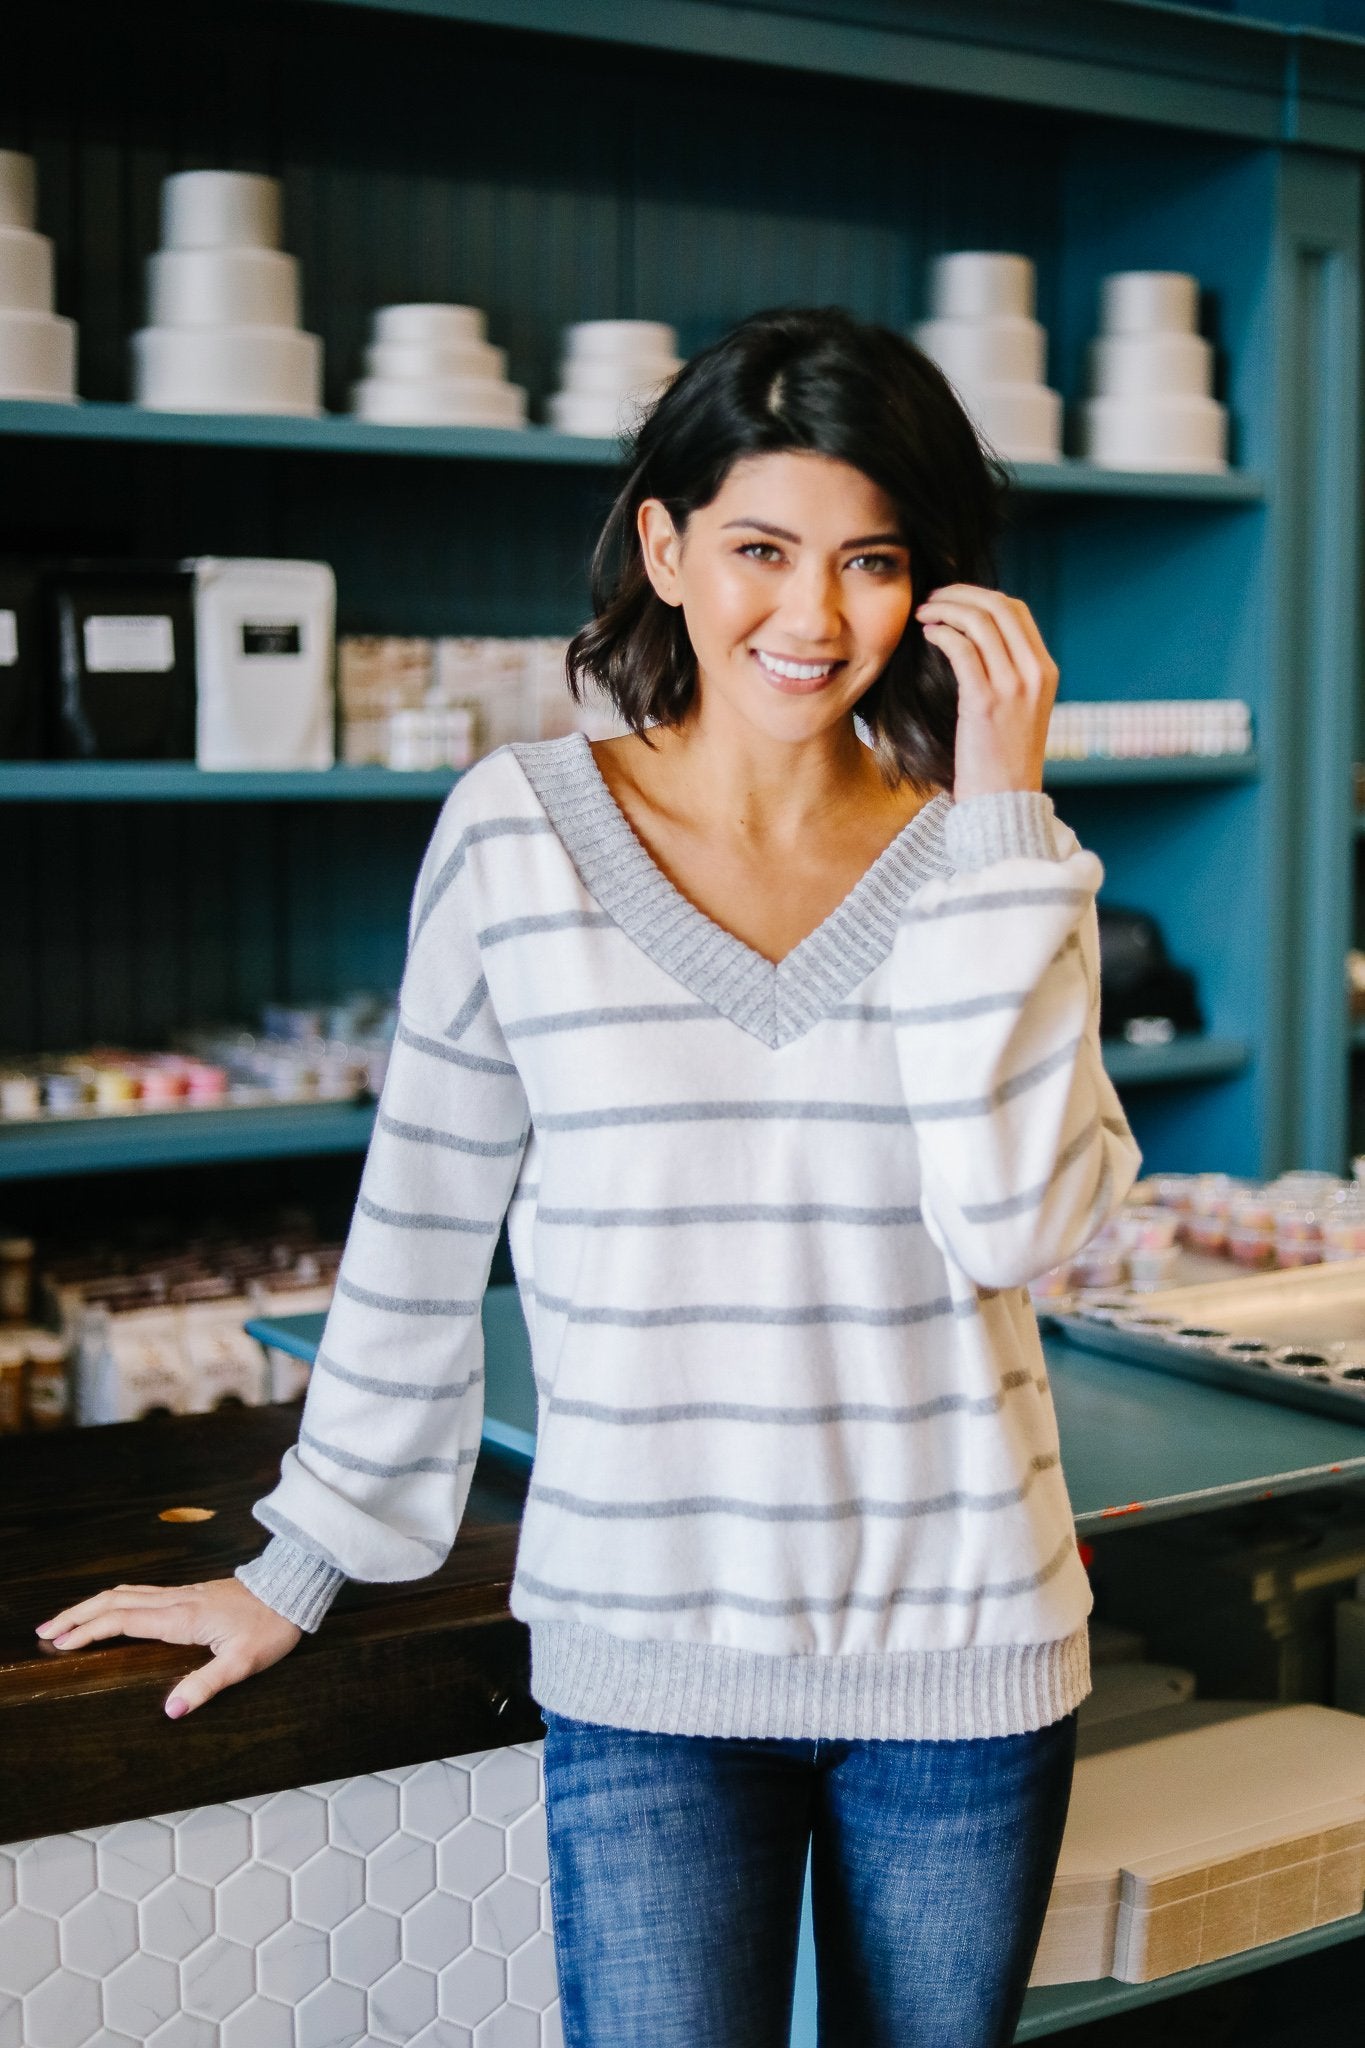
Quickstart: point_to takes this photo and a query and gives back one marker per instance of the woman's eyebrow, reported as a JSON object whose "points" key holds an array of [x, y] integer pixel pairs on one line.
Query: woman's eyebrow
{"points": [[864, 540]]}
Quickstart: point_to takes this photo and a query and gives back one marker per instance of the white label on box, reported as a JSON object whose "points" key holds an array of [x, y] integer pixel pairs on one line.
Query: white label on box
{"points": [[124, 644], [9, 638]]}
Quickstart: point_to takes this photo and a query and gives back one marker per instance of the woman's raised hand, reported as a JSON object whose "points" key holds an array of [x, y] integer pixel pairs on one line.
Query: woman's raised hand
{"points": [[221, 1615], [1006, 684]]}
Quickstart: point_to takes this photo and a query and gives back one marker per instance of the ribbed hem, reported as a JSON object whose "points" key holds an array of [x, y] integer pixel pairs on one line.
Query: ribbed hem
{"points": [[293, 1581], [1004, 825], [712, 1689]]}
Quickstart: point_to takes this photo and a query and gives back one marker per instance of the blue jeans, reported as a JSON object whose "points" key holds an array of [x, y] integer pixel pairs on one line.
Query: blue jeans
{"points": [[677, 1865]]}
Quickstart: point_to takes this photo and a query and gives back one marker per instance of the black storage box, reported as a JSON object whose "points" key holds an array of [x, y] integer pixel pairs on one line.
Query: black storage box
{"points": [[122, 674], [21, 663]]}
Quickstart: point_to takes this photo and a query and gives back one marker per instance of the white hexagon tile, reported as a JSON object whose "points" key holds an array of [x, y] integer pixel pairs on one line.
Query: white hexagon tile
{"points": [[408, 1907]]}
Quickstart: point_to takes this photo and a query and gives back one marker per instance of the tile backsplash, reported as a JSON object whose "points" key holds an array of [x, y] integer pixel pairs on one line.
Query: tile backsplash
{"points": [[411, 1906]]}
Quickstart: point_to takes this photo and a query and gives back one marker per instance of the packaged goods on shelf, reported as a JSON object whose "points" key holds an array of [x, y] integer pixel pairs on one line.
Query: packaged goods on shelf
{"points": [[264, 655], [984, 337], [123, 685], [333, 1053], [1227, 1830], [611, 373], [1137, 730], [37, 346], [422, 704], [378, 674], [163, 1327], [433, 365], [223, 329], [1151, 379]]}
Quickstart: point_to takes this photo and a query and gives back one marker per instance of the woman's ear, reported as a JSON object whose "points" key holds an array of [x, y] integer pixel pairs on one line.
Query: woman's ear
{"points": [[660, 549]]}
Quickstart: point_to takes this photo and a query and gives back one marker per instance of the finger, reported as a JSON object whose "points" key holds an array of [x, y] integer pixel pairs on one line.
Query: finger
{"points": [[1015, 624], [152, 1624], [99, 1603], [982, 629], [965, 661], [198, 1686]]}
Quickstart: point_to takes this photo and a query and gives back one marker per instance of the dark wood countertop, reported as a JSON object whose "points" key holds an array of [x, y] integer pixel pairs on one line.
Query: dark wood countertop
{"points": [[397, 1674]]}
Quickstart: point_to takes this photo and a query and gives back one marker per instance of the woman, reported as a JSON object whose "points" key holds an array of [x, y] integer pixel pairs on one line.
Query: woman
{"points": [[783, 1049]]}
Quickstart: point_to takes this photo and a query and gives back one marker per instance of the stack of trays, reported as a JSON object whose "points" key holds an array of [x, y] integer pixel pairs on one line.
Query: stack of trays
{"points": [[1151, 373], [434, 366], [37, 347], [985, 339], [1233, 1827], [611, 374], [223, 304]]}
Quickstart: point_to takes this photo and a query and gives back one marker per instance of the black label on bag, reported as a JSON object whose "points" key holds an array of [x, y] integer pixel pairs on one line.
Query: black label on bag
{"points": [[273, 639]]}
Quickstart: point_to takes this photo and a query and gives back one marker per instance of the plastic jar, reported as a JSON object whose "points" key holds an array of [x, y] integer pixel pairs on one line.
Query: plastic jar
{"points": [[47, 1395], [1298, 1233], [1152, 1266], [1343, 1226], [1206, 1221], [1147, 1229]]}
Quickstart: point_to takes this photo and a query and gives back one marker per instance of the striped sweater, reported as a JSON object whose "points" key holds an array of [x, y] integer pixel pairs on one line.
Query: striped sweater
{"points": [[796, 1470]]}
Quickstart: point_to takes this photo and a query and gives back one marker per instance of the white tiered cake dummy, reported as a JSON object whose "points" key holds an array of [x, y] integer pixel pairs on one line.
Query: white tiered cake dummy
{"points": [[434, 366], [223, 304], [37, 347], [983, 335], [611, 374], [1151, 376]]}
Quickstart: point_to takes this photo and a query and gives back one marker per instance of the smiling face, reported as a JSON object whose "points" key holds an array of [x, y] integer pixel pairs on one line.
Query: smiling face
{"points": [[795, 585]]}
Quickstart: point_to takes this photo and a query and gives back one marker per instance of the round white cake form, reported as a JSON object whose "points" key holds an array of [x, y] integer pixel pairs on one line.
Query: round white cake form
{"points": [[434, 326], [605, 416], [25, 271], [606, 377], [222, 288], [1149, 302], [1155, 433], [18, 189], [37, 355], [1151, 366], [220, 210], [439, 402], [975, 284], [1020, 421], [227, 369], [399, 360], [625, 341], [1008, 349]]}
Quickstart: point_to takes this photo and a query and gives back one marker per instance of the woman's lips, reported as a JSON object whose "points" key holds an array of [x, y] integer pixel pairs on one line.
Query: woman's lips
{"points": [[795, 678]]}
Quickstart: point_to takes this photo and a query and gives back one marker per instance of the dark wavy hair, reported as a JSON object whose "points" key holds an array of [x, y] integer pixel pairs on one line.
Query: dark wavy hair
{"points": [[812, 379]]}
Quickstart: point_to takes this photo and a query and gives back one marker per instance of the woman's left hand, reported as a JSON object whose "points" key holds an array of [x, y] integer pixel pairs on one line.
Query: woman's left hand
{"points": [[1006, 684]]}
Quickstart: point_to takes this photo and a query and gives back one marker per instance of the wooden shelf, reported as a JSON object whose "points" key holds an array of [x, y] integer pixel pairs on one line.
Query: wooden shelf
{"points": [[340, 434], [1102, 771], [1191, 1058], [185, 1137], [47, 782]]}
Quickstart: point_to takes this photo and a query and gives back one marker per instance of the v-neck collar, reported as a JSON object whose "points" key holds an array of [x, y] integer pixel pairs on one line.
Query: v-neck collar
{"points": [[775, 1001]]}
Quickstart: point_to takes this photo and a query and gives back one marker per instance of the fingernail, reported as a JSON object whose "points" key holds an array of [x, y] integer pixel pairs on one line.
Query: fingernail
{"points": [[57, 1641], [175, 1707], [42, 1628]]}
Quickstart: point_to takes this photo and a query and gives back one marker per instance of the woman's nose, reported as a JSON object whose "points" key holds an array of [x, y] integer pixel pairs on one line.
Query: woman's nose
{"points": [[810, 605]]}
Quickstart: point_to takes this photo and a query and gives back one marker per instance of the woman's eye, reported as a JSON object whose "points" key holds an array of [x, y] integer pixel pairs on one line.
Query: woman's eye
{"points": [[761, 550], [880, 565]]}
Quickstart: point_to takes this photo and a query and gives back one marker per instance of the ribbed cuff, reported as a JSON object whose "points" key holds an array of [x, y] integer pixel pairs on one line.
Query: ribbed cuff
{"points": [[298, 1585], [1003, 825], [672, 1688]]}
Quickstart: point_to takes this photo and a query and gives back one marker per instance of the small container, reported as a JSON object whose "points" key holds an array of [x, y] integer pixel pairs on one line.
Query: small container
{"points": [[1098, 1266], [13, 1354], [47, 1394], [1147, 1229], [16, 1279], [64, 1091], [1152, 1266], [21, 1096], [1252, 1207], [1343, 1226], [1249, 1246], [1173, 1190]]}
